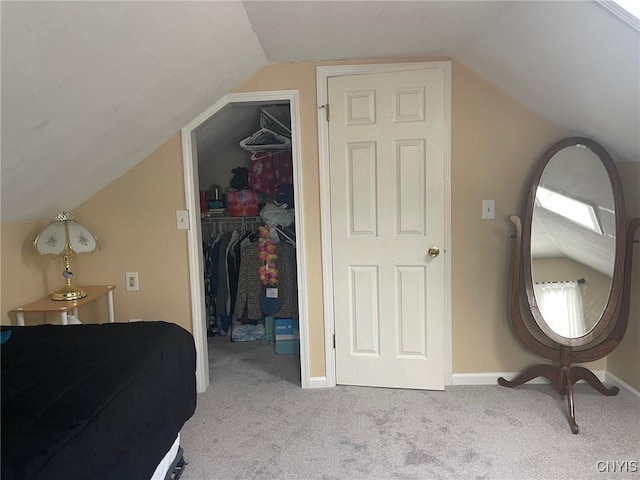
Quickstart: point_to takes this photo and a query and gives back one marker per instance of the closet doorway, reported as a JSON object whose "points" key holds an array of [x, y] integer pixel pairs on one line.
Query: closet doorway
{"points": [[220, 148]]}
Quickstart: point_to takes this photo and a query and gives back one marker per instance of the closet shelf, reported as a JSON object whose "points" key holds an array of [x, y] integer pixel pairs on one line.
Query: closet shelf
{"points": [[227, 219]]}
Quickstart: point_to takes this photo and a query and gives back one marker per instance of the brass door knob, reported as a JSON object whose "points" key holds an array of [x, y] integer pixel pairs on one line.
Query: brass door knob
{"points": [[434, 252]]}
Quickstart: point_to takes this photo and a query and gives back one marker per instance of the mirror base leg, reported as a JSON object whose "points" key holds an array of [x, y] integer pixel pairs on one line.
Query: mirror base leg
{"points": [[548, 371], [572, 412], [581, 373], [563, 377]]}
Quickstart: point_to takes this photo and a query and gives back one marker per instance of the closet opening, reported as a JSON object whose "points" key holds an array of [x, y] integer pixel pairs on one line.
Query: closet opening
{"points": [[245, 181]]}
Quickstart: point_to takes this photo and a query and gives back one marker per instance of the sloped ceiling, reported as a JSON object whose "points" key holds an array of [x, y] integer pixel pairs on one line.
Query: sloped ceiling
{"points": [[573, 62], [90, 88]]}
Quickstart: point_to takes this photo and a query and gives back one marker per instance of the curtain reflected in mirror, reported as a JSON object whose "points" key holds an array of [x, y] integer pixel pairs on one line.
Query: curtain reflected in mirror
{"points": [[561, 306]]}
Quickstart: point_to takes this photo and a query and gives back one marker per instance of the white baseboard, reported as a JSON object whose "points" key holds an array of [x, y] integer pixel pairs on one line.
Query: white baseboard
{"points": [[491, 378], [611, 379], [319, 382]]}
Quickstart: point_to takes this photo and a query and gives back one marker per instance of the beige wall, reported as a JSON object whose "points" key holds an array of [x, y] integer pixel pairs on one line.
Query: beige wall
{"points": [[624, 362], [134, 220], [495, 142], [25, 275]]}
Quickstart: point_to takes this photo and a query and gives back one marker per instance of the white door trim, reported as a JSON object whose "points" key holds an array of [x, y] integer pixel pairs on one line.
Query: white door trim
{"points": [[322, 75], [194, 234]]}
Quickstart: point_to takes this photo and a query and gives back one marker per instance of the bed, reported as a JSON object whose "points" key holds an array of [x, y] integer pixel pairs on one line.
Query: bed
{"points": [[93, 402]]}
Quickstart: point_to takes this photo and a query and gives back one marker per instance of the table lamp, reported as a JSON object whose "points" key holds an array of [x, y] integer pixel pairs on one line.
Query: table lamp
{"points": [[65, 238]]}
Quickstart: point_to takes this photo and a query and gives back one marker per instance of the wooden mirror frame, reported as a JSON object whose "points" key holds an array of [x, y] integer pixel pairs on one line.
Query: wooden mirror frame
{"points": [[612, 325]]}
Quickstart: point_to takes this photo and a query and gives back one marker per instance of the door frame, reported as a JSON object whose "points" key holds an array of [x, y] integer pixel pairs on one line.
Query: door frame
{"points": [[323, 73], [194, 234]]}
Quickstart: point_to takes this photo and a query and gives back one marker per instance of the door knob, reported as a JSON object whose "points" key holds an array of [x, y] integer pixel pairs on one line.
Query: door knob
{"points": [[434, 252]]}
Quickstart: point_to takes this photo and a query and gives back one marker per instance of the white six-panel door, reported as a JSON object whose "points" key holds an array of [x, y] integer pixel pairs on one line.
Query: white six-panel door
{"points": [[387, 136]]}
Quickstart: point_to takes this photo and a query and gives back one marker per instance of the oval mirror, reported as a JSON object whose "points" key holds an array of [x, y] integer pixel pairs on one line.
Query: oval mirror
{"points": [[573, 223]]}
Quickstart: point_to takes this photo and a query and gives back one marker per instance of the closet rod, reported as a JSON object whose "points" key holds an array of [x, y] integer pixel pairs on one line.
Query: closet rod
{"points": [[231, 219]]}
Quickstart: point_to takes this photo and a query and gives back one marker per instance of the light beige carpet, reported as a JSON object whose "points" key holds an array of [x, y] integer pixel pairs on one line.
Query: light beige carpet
{"points": [[255, 422]]}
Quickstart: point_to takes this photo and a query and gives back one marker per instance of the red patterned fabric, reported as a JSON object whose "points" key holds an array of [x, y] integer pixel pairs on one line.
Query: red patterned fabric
{"points": [[283, 167], [261, 177], [269, 169]]}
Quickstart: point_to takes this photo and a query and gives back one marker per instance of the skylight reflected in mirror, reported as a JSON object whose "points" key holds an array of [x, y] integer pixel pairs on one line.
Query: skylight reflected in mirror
{"points": [[574, 210]]}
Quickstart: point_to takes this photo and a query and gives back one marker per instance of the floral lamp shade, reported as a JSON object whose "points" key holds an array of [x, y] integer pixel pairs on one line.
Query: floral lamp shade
{"points": [[61, 235], [65, 238]]}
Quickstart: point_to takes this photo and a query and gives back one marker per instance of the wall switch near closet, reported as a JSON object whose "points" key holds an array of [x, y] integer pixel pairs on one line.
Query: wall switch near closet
{"points": [[182, 219], [488, 209]]}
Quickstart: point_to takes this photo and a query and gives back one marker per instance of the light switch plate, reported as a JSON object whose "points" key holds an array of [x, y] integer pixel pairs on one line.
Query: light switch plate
{"points": [[182, 219], [488, 209]]}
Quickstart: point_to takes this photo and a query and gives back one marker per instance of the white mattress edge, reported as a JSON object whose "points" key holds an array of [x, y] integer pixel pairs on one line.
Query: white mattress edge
{"points": [[165, 463]]}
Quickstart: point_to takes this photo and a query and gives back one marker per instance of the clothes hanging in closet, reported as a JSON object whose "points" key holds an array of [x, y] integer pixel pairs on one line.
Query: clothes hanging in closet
{"points": [[221, 270], [250, 288], [211, 249]]}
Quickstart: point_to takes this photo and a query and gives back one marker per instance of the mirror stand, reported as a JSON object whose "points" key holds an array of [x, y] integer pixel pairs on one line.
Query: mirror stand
{"points": [[563, 376]]}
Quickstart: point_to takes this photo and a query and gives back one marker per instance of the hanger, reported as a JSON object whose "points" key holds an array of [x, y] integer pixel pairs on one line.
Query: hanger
{"points": [[286, 237], [272, 123], [272, 135], [265, 139]]}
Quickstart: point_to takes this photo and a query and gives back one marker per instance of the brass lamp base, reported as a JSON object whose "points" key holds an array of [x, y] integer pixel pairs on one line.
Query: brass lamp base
{"points": [[69, 292]]}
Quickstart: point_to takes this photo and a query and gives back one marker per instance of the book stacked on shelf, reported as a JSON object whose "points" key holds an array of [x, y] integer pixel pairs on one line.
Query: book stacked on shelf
{"points": [[214, 212]]}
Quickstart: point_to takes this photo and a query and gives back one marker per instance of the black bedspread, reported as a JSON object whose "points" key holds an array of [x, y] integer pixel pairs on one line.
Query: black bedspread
{"points": [[94, 401]]}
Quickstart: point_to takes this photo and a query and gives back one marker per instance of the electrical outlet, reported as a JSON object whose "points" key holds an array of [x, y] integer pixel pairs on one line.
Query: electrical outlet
{"points": [[488, 209], [132, 281]]}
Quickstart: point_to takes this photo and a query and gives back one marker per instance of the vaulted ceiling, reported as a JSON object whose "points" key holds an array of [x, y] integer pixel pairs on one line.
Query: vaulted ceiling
{"points": [[90, 88]]}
